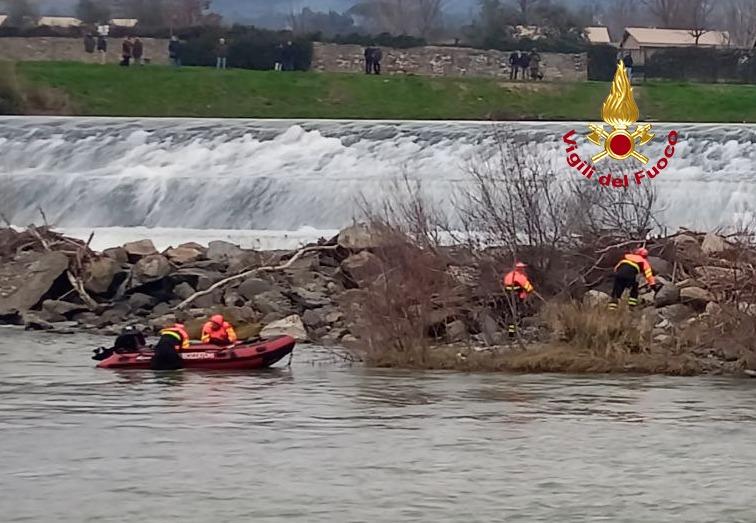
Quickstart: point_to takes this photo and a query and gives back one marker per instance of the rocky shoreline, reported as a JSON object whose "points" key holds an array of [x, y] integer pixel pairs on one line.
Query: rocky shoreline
{"points": [[700, 322]]}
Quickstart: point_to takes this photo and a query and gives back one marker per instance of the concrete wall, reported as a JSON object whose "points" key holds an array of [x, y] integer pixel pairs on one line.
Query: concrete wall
{"points": [[445, 61], [72, 49]]}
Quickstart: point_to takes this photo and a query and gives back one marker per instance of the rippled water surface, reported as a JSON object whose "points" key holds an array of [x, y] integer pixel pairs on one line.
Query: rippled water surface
{"points": [[323, 442]]}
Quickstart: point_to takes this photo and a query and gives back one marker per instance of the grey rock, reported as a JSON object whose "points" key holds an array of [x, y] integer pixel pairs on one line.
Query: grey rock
{"points": [[362, 268], [99, 275], [161, 322], [86, 318], [141, 301], [334, 317], [713, 275], [289, 326], [272, 301], [713, 309], [254, 286], [272, 317], [307, 299], [713, 244], [660, 266], [489, 328], [184, 255], [669, 294], [151, 268], [200, 279], [596, 298], [209, 300], [688, 247], [24, 281], [222, 251], [117, 254], [232, 298], [361, 236], [161, 309], [183, 290], [456, 331], [696, 297], [243, 262], [677, 313], [32, 322], [729, 353], [63, 308], [313, 319], [139, 249]]}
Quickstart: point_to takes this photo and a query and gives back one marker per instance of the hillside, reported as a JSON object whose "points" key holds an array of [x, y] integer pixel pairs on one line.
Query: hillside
{"points": [[201, 92]]}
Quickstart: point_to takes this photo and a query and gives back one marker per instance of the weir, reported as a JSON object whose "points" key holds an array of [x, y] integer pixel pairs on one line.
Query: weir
{"points": [[287, 175]]}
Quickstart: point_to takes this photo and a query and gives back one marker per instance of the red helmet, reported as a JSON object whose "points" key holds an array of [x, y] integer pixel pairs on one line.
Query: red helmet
{"points": [[520, 265], [217, 319], [642, 251]]}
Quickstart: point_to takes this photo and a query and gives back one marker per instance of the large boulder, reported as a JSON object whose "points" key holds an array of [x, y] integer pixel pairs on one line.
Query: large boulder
{"points": [[223, 251], [253, 286], [26, 280], [289, 326], [669, 294], [139, 249], [677, 313], [687, 247], [361, 269], [244, 261], [361, 236], [272, 302], [183, 290], [660, 266], [594, 298], [151, 268], [713, 244], [138, 301], [307, 299], [200, 279], [62, 308], [696, 297], [100, 274], [314, 318], [184, 255], [456, 331], [716, 275], [118, 254]]}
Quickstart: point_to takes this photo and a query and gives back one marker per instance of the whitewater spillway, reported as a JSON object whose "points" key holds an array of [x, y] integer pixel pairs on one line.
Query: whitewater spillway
{"points": [[285, 175]]}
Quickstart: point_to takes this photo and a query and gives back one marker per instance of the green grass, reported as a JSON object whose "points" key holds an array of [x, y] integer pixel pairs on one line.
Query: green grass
{"points": [[203, 92]]}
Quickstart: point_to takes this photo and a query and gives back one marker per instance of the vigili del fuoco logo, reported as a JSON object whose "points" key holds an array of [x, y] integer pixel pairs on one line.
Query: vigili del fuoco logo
{"points": [[620, 143]]}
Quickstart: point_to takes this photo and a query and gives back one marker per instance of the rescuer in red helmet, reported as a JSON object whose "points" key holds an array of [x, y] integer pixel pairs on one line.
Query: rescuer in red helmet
{"points": [[218, 331], [517, 287], [626, 277]]}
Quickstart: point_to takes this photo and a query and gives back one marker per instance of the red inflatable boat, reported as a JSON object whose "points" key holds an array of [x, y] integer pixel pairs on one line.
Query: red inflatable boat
{"points": [[244, 355]]}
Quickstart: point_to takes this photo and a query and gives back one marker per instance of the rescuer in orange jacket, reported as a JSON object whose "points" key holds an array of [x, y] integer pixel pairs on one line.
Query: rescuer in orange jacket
{"points": [[218, 331], [626, 277], [178, 331], [518, 287]]}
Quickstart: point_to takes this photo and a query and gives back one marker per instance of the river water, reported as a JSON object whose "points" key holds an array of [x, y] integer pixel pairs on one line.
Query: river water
{"points": [[325, 442]]}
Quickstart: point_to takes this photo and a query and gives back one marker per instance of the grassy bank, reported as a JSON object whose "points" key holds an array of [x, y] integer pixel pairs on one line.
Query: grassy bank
{"points": [[202, 92]]}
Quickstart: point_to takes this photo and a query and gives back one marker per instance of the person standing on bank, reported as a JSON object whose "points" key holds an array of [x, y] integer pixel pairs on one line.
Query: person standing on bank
{"points": [[514, 64], [628, 61], [174, 51], [369, 60], [126, 52], [377, 57], [517, 287], [137, 51], [222, 54]]}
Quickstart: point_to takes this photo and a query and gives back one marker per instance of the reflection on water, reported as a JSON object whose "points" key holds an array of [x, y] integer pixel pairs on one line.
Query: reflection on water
{"points": [[323, 442]]}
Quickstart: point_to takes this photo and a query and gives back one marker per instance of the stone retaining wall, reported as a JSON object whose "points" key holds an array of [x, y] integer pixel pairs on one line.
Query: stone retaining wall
{"points": [[20, 49], [445, 61]]}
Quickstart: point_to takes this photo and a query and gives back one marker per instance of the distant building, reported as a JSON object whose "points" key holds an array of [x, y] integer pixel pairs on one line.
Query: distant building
{"points": [[59, 21], [598, 35], [642, 42], [124, 22], [3, 18]]}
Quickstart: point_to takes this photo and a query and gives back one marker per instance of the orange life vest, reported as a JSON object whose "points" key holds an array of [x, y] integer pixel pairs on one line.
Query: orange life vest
{"points": [[640, 264], [517, 281], [223, 334]]}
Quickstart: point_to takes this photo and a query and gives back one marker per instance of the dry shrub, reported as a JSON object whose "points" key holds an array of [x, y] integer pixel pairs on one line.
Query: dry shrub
{"points": [[18, 97], [410, 299], [11, 99]]}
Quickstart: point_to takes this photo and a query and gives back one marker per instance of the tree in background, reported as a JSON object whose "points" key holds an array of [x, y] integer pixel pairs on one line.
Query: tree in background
{"points": [[699, 13], [187, 13], [21, 13], [740, 21], [93, 11], [400, 17], [150, 13], [328, 24]]}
